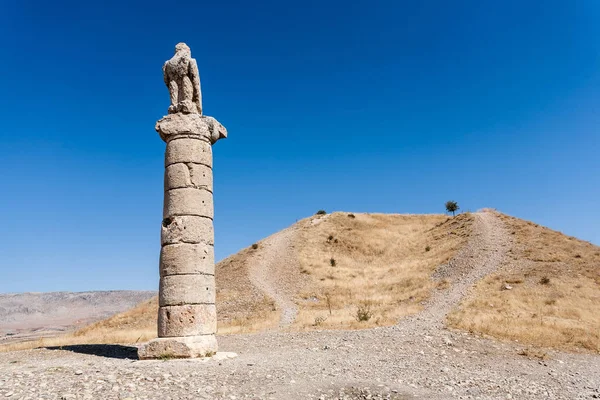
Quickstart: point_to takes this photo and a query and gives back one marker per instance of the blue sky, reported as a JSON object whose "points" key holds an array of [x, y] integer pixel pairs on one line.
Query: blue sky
{"points": [[378, 106]]}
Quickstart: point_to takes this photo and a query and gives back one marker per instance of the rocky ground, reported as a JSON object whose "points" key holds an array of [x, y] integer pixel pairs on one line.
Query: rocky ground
{"points": [[416, 359], [266, 275], [386, 363]]}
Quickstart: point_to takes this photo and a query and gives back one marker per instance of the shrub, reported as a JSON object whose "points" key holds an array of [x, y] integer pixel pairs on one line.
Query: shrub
{"points": [[514, 281], [319, 320], [321, 212], [332, 262], [443, 284], [427, 248], [167, 356], [328, 299], [363, 312], [545, 281], [351, 215], [533, 353], [255, 246], [330, 238], [452, 206]]}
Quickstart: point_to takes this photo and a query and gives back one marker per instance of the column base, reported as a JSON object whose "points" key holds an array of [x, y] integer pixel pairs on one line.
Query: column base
{"points": [[179, 347]]}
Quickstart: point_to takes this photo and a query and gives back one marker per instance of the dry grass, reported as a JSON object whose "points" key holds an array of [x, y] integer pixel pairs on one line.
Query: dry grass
{"points": [[128, 327], [380, 260], [382, 264], [241, 308], [555, 295], [383, 261]]}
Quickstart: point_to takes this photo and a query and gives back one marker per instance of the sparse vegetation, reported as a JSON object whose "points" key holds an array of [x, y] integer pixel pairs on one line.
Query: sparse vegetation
{"points": [[328, 300], [363, 311], [129, 327], [166, 357], [443, 284], [351, 215], [533, 353], [321, 212], [382, 274], [241, 307], [514, 281], [254, 246], [554, 298], [452, 206], [378, 258]]}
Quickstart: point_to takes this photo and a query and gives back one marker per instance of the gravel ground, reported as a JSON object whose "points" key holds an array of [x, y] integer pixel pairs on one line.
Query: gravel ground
{"points": [[482, 255], [281, 284], [417, 359]]}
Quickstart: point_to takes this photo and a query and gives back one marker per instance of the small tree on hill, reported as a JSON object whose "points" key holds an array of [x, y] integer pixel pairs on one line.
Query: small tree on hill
{"points": [[452, 206]]}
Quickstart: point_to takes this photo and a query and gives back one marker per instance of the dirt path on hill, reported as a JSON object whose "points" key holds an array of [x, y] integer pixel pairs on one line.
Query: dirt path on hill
{"points": [[482, 255], [416, 359], [276, 271]]}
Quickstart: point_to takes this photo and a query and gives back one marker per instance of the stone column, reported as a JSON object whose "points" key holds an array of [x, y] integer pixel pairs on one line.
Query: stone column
{"points": [[187, 317]]}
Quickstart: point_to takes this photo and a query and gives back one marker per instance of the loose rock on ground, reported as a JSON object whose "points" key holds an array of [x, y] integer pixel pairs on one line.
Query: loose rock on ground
{"points": [[416, 359]]}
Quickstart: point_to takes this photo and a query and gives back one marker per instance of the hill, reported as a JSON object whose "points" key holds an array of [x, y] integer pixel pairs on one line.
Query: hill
{"points": [[31, 315], [545, 292], [483, 272]]}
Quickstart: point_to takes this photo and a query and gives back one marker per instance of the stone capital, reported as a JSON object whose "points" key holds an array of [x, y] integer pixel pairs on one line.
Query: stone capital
{"points": [[180, 124]]}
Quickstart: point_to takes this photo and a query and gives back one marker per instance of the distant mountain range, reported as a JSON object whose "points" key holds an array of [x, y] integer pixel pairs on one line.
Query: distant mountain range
{"points": [[31, 315]]}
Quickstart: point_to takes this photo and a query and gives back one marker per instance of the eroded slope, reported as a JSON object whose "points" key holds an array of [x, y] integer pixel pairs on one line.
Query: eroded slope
{"points": [[546, 292]]}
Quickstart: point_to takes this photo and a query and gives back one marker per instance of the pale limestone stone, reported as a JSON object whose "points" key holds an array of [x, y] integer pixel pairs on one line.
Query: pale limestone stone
{"points": [[188, 201], [183, 80], [181, 175], [177, 176], [185, 258], [176, 290], [187, 320], [187, 229], [175, 126], [201, 176], [179, 347], [186, 150], [187, 316], [224, 355], [217, 131]]}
